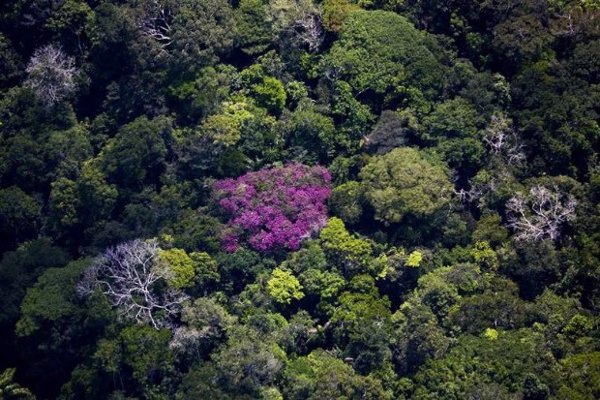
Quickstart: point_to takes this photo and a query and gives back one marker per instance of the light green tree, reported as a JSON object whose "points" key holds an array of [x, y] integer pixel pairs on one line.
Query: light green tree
{"points": [[179, 267], [414, 259], [284, 287], [404, 182], [225, 127], [380, 51], [343, 248], [268, 91]]}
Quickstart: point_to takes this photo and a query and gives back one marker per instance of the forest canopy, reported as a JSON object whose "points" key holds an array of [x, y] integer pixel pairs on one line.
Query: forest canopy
{"points": [[300, 199]]}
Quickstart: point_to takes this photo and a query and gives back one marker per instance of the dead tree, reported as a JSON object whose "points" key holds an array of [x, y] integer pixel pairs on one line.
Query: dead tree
{"points": [[51, 75], [541, 214], [470, 195], [308, 31], [155, 22], [128, 275], [506, 150], [297, 23], [502, 140]]}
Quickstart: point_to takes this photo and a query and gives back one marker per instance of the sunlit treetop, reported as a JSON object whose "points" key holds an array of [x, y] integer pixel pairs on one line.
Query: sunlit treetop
{"points": [[274, 207]]}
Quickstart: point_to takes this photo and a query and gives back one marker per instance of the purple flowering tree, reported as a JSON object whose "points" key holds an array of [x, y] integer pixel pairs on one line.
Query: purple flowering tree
{"points": [[275, 207]]}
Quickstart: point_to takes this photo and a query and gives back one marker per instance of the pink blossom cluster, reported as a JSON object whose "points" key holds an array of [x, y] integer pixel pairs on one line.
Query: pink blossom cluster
{"points": [[274, 207]]}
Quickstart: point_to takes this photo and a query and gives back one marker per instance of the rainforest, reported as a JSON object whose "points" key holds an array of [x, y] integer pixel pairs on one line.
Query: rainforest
{"points": [[300, 199]]}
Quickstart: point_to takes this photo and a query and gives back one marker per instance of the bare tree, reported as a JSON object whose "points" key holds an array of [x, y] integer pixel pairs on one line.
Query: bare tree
{"points": [[505, 146], [576, 19], [51, 75], [541, 214], [474, 193], [298, 22], [308, 31], [156, 21], [502, 140], [128, 274]]}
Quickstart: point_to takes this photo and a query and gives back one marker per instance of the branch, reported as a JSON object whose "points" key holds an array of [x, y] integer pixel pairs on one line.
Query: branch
{"points": [[541, 214], [127, 275]]}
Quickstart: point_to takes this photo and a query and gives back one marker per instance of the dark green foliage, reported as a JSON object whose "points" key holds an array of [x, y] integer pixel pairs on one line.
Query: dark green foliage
{"points": [[382, 53], [136, 155], [498, 306], [389, 132], [310, 135], [11, 65], [51, 299], [253, 26], [319, 375], [246, 363], [19, 216], [53, 319], [20, 268], [347, 201], [578, 376], [201, 32], [475, 361]]}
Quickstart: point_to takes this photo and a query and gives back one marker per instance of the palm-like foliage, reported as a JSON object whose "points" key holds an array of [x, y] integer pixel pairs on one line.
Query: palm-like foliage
{"points": [[10, 389]]}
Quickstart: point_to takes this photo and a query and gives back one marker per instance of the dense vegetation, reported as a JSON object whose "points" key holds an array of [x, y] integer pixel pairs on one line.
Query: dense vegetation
{"points": [[300, 199]]}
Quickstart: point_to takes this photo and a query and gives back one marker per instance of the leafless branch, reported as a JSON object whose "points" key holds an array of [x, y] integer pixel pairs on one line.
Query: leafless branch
{"points": [[502, 140], [474, 193], [156, 22], [51, 74], [298, 21], [308, 30], [540, 214], [127, 274]]}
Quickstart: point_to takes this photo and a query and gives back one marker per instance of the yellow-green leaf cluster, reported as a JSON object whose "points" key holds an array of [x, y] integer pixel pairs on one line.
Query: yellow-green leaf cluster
{"points": [[284, 287]]}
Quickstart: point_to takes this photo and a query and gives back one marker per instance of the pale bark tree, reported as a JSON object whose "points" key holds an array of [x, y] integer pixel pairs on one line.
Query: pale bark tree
{"points": [[540, 214], [128, 274], [576, 19], [299, 21], [155, 22], [51, 75], [308, 31], [507, 155], [471, 194], [502, 140]]}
